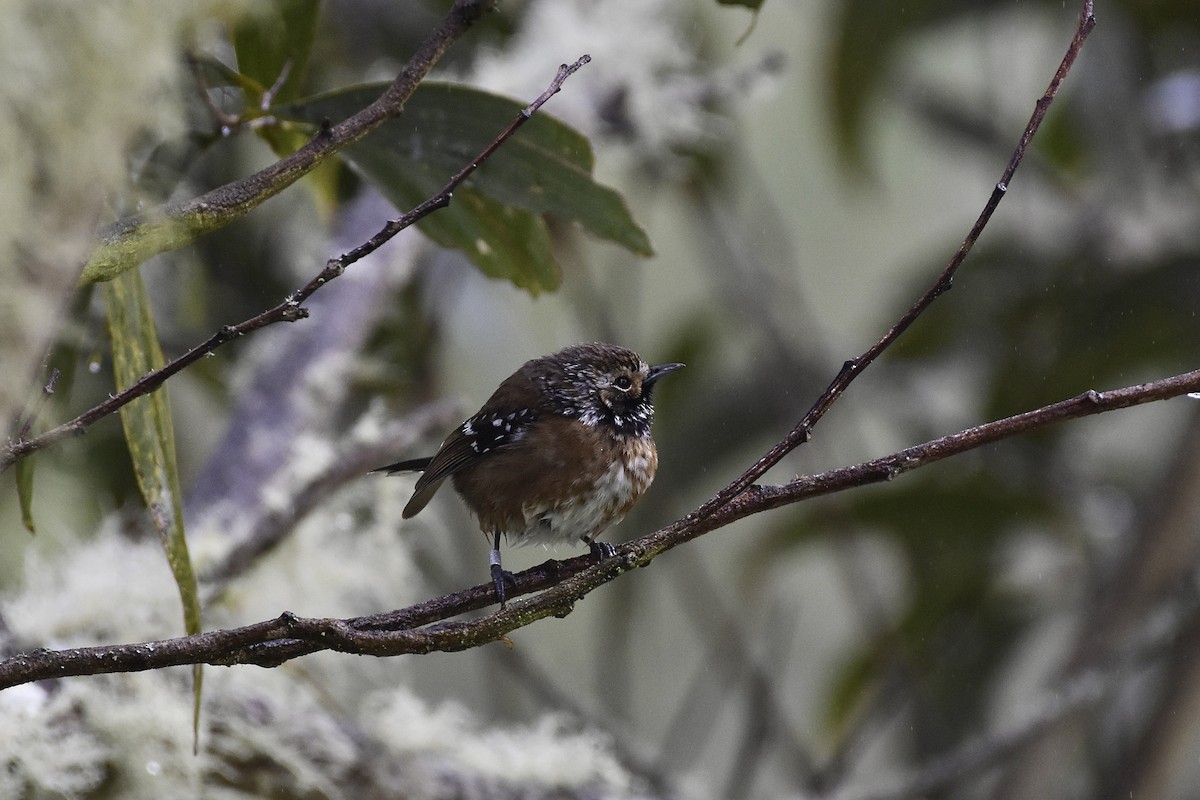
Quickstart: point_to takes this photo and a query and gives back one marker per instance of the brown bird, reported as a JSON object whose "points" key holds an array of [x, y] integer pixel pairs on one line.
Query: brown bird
{"points": [[560, 452]]}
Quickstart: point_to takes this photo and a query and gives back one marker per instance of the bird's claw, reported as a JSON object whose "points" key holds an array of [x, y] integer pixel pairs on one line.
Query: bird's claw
{"points": [[499, 577], [602, 550]]}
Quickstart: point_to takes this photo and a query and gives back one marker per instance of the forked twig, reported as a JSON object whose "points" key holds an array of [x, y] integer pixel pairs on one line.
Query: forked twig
{"points": [[291, 309], [802, 432], [424, 627]]}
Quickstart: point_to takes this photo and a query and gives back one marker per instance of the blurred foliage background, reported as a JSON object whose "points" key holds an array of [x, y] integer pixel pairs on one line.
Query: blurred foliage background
{"points": [[800, 174]]}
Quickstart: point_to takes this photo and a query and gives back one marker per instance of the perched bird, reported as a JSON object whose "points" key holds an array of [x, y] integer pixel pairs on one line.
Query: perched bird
{"points": [[559, 452]]}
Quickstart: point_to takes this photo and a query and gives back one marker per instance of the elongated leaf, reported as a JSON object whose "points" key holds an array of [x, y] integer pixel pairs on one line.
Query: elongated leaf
{"points": [[502, 241], [24, 471], [279, 37], [150, 436], [546, 168]]}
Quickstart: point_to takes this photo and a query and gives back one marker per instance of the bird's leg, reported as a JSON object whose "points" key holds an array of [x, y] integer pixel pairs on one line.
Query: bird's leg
{"points": [[601, 550], [499, 574]]}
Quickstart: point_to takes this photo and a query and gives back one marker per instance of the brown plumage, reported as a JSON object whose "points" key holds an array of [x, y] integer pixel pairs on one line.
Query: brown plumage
{"points": [[560, 451]]}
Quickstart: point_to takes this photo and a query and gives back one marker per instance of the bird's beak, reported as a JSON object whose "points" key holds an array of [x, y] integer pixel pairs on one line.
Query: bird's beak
{"points": [[661, 370]]}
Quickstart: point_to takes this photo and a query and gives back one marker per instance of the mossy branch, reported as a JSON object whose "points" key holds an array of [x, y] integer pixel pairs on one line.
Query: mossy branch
{"points": [[130, 241], [428, 627], [291, 308]]}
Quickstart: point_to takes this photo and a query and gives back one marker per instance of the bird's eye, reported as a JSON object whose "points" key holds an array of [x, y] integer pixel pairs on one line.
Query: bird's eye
{"points": [[623, 383]]}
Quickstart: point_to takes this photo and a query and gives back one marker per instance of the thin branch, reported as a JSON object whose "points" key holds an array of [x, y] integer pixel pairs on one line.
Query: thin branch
{"points": [[222, 122], [759, 498], [290, 310], [802, 432], [132, 240], [23, 426], [268, 96], [423, 628]]}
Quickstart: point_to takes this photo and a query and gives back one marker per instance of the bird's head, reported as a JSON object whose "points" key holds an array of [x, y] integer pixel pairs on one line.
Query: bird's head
{"points": [[603, 384]]}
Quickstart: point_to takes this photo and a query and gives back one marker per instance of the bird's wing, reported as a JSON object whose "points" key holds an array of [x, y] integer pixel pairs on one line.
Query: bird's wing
{"points": [[412, 465], [455, 453], [500, 424]]}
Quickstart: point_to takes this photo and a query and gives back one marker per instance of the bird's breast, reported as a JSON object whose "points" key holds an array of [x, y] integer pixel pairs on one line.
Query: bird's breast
{"points": [[597, 501], [563, 481]]}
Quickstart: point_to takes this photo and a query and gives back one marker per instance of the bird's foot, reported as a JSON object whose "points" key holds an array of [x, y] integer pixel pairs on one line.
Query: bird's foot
{"points": [[499, 577], [601, 550]]}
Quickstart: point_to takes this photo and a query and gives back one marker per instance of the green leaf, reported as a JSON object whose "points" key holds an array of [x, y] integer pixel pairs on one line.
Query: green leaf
{"points": [[215, 72], [24, 469], [150, 436], [546, 168], [279, 37], [502, 241]]}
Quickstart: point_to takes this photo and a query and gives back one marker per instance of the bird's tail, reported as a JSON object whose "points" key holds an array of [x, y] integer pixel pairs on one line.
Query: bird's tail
{"points": [[412, 465]]}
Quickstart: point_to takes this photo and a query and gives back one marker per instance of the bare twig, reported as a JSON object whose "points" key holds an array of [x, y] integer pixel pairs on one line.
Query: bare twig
{"points": [[423, 628], [136, 238], [223, 123], [802, 432], [24, 425], [268, 96], [291, 309]]}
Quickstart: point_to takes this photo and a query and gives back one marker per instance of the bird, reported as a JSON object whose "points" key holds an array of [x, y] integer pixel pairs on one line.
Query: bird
{"points": [[559, 453]]}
